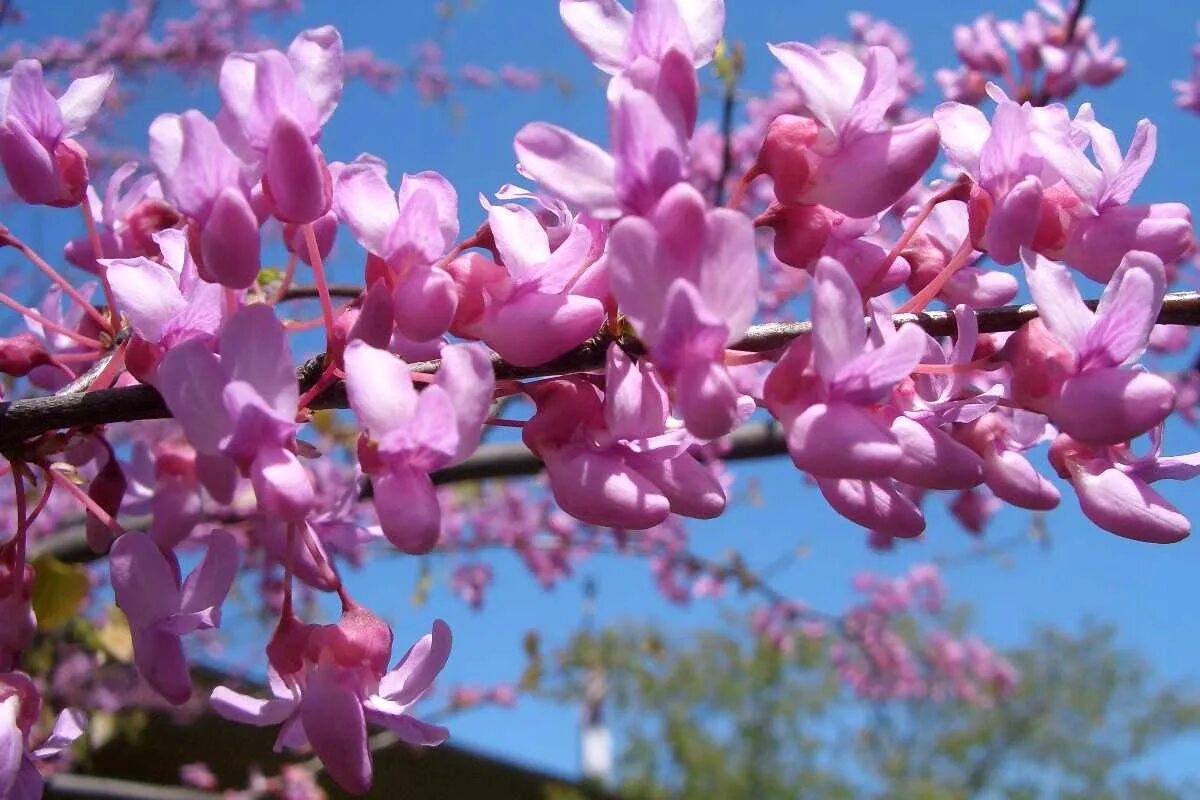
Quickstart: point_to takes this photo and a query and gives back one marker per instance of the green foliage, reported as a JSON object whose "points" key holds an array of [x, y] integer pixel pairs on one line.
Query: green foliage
{"points": [[719, 714]]}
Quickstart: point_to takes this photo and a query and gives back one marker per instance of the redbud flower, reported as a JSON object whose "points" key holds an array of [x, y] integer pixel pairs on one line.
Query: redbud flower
{"points": [[160, 610], [43, 163]]}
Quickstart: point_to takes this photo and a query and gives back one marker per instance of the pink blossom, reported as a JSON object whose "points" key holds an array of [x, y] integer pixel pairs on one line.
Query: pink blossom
{"points": [[160, 610], [409, 434], [329, 704], [44, 165], [239, 409]]}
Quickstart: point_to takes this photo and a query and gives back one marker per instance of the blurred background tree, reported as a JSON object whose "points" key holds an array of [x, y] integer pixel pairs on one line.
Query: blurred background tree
{"points": [[723, 713]]}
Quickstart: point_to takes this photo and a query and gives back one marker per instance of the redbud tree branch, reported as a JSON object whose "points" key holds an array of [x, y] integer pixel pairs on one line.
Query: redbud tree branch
{"points": [[22, 420]]}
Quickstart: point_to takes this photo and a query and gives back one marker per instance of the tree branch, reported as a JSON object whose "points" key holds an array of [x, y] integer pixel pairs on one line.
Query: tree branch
{"points": [[21, 420]]}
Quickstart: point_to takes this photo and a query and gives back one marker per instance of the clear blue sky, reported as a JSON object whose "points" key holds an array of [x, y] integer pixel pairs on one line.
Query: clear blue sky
{"points": [[1144, 589]]}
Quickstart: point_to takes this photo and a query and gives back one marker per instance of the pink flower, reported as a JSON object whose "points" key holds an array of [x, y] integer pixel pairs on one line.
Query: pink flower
{"points": [[329, 704], [239, 410], [274, 107], [843, 155], [160, 610], [618, 461], [409, 434], [1085, 388], [127, 219], [686, 278], [613, 37], [410, 230], [166, 304], [202, 177], [540, 301], [45, 166], [20, 708]]}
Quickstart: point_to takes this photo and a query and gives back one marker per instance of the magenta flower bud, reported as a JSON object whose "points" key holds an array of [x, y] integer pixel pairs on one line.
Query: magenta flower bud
{"points": [[229, 242], [876, 505], [108, 491], [784, 156], [296, 177], [1122, 504], [801, 233], [21, 353]]}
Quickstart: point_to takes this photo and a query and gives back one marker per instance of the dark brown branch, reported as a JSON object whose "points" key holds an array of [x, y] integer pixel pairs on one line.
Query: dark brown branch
{"points": [[94, 786], [21, 420]]}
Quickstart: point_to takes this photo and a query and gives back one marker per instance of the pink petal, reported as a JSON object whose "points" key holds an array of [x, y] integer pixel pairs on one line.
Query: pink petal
{"points": [[839, 333], [143, 581], [295, 173], [379, 388], [408, 509], [873, 374], [81, 101], [520, 238], [250, 710], [445, 201], [12, 744], [602, 490], [707, 399], [827, 80], [424, 301], [1060, 305], [281, 484], [316, 57], [963, 130], [874, 504], [533, 327], [146, 292], [229, 242], [212, 578], [30, 103], [1097, 244], [874, 170], [931, 459], [467, 378], [159, 657], [1123, 505], [1013, 221], [840, 440], [1126, 312], [415, 672], [333, 721], [364, 201], [635, 400], [692, 489], [255, 349], [875, 97], [602, 29], [578, 171], [1013, 479], [1111, 405]]}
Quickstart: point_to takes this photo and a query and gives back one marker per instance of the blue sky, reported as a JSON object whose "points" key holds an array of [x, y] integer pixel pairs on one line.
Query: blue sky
{"points": [[1086, 573]]}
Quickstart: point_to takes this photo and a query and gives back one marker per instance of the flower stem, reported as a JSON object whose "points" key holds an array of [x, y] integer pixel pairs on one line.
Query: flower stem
{"points": [[45, 322], [89, 222], [63, 283], [318, 268], [288, 276], [89, 505], [924, 297]]}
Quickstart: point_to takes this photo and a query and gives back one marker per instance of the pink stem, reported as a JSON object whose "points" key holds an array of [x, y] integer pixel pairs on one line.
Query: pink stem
{"points": [[925, 296], [88, 503], [74, 336], [318, 268], [89, 222], [18, 568], [63, 283], [288, 276]]}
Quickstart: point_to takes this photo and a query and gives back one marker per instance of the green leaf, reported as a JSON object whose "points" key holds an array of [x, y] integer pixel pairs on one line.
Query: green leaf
{"points": [[58, 592]]}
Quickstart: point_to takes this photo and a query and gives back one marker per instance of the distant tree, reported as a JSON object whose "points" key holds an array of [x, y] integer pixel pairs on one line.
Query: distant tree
{"points": [[727, 714]]}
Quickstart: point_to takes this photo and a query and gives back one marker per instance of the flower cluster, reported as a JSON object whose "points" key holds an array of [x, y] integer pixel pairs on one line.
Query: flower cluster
{"points": [[617, 301]]}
